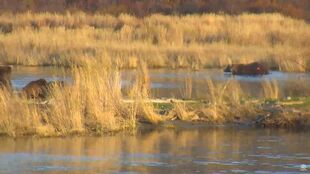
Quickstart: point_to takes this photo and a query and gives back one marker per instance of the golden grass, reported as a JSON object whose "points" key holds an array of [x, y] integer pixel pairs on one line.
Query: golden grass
{"points": [[187, 90], [94, 103], [192, 41], [271, 89], [140, 92], [224, 102]]}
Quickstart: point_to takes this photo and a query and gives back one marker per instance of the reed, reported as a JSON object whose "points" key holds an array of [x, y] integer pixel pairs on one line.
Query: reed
{"points": [[184, 112], [223, 102], [140, 93], [92, 104], [187, 89], [226, 102], [271, 89], [161, 41]]}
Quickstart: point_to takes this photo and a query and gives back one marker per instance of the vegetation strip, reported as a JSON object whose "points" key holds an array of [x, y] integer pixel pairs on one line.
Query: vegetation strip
{"points": [[94, 104], [71, 39]]}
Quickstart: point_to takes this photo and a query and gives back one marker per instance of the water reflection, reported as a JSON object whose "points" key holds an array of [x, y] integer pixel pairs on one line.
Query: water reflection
{"points": [[199, 150], [171, 83]]}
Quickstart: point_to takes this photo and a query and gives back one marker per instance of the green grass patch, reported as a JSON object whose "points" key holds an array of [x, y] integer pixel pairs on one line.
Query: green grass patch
{"points": [[163, 106], [305, 104], [271, 101]]}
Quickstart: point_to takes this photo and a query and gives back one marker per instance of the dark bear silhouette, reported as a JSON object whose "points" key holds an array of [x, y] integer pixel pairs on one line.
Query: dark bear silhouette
{"points": [[5, 77], [36, 89], [254, 68], [39, 89]]}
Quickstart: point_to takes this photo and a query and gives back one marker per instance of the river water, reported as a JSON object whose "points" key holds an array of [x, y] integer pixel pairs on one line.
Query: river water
{"points": [[167, 83], [189, 150]]}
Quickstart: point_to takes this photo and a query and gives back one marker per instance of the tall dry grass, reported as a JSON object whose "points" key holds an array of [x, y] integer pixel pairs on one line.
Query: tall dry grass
{"points": [[140, 93], [271, 89], [92, 104], [226, 102], [223, 102], [192, 41], [187, 90]]}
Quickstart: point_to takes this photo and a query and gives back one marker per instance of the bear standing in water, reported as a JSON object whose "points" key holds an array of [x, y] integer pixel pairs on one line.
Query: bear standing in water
{"points": [[254, 68], [5, 77], [39, 89], [36, 89]]}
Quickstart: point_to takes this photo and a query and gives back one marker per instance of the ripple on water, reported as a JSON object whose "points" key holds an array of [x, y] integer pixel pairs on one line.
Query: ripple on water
{"points": [[226, 163], [13, 157], [59, 168], [282, 157]]}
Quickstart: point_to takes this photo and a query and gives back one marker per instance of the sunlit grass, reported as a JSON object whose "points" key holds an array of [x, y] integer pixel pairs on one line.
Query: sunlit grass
{"points": [[95, 47], [95, 104], [92, 104], [191, 41], [271, 89]]}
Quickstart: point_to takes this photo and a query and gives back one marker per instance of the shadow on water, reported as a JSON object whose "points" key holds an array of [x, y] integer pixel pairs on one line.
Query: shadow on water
{"points": [[170, 83], [191, 150]]}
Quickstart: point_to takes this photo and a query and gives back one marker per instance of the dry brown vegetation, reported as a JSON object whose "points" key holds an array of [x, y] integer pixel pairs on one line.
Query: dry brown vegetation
{"points": [[96, 46], [192, 41], [294, 8], [94, 104]]}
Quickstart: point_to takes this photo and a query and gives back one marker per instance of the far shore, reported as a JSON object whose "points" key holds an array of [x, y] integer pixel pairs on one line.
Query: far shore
{"points": [[162, 41]]}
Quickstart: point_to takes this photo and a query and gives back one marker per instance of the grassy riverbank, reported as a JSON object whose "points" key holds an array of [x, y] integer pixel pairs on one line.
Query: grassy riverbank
{"points": [[191, 41], [94, 104]]}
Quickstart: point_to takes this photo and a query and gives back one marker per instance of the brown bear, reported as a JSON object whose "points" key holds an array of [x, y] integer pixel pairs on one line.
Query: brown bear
{"points": [[5, 77], [36, 89], [254, 68], [39, 89]]}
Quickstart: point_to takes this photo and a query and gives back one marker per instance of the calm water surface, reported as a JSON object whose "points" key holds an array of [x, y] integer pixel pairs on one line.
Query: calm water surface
{"points": [[191, 150], [171, 83]]}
